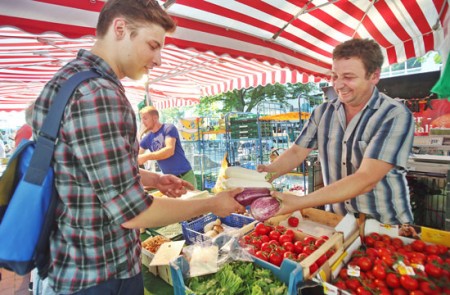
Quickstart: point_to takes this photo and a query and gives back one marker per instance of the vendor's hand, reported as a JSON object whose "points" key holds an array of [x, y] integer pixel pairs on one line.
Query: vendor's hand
{"points": [[271, 174], [289, 202], [172, 186], [226, 204]]}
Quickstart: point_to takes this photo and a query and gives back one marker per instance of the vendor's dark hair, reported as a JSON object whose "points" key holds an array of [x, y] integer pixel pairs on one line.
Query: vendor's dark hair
{"points": [[367, 50], [135, 12]]}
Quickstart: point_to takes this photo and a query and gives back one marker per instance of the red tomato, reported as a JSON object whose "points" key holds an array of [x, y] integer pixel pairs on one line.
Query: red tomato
{"points": [[432, 249], [399, 291], [261, 229], [340, 284], [379, 245], [434, 258], [264, 238], [343, 274], [352, 283], [298, 247], [442, 249], [369, 241], [416, 292], [289, 255], [309, 249], [262, 255], [274, 235], [409, 283], [266, 246], [429, 287], [289, 247], [397, 243], [309, 240], [379, 271], [319, 242], [293, 221], [313, 268], [275, 258], [375, 236], [301, 257], [284, 238], [321, 260], [433, 270], [386, 239], [364, 263], [392, 280], [363, 291], [274, 242], [290, 232], [257, 243], [418, 245]]}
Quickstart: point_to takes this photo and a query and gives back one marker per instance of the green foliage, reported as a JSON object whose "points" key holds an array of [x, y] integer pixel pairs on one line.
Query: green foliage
{"points": [[238, 278], [245, 100]]}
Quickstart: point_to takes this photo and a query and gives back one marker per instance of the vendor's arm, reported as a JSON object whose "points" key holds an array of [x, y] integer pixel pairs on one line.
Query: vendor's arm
{"points": [[362, 181], [165, 211], [286, 162], [164, 153]]}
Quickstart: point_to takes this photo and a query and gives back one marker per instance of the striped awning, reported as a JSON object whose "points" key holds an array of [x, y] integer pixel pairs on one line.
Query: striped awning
{"points": [[219, 45]]}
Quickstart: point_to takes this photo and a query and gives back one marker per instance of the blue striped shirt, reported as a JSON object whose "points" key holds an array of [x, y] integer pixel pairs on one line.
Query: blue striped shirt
{"points": [[382, 130]]}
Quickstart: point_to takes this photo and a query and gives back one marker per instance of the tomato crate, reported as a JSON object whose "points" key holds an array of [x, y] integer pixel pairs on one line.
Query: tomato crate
{"points": [[427, 236], [193, 230]]}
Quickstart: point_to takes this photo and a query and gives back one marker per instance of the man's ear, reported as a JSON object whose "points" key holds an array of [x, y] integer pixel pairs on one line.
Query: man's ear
{"points": [[376, 76], [119, 26]]}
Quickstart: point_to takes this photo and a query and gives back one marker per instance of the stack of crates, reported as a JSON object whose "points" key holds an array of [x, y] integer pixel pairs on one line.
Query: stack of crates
{"points": [[245, 125]]}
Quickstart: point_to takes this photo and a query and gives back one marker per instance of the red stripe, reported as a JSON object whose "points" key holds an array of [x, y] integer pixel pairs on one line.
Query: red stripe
{"points": [[39, 27], [85, 5], [392, 55]]}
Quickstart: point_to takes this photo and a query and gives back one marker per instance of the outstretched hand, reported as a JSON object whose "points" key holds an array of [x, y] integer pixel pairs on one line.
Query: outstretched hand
{"points": [[173, 186], [226, 204], [270, 174]]}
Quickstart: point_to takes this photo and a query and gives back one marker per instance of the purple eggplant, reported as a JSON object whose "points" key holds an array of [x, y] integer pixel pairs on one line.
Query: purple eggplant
{"points": [[264, 208], [249, 194]]}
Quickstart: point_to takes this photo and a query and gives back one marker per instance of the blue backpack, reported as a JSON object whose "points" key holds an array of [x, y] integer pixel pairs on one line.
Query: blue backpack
{"points": [[28, 195]]}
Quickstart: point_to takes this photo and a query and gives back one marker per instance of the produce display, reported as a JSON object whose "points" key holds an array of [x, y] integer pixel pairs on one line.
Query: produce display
{"points": [[152, 244], [276, 243], [237, 278], [386, 265]]}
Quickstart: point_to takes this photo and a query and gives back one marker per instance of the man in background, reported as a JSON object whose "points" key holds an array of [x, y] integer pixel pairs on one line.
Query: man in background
{"points": [[163, 142]]}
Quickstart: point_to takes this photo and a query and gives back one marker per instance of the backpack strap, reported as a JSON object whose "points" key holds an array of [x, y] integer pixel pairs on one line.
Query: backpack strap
{"points": [[45, 143]]}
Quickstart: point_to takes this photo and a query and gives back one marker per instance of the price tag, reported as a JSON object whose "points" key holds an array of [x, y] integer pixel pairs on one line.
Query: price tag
{"points": [[330, 289], [353, 271]]}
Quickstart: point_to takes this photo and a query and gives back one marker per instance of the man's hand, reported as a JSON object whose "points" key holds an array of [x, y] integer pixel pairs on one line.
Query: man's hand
{"points": [[226, 204], [271, 175], [173, 186]]}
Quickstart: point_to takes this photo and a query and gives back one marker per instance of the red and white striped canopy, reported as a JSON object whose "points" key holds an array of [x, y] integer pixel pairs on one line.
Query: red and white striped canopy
{"points": [[219, 45]]}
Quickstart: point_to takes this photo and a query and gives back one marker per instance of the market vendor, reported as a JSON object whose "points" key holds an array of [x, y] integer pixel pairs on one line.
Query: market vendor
{"points": [[101, 205], [363, 139], [163, 142]]}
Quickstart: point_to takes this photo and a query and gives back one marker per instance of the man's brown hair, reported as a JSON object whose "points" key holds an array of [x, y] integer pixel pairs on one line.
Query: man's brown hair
{"points": [[367, 50], [135, 12]]}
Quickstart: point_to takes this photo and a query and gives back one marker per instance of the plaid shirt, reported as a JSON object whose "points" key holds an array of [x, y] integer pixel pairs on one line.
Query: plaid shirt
{"points": [[97, 178], [383, 130]]}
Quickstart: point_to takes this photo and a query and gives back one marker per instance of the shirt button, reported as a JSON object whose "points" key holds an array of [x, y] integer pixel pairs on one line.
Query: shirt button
{"points": [[347, 202], [345, 142], [343, 163]]}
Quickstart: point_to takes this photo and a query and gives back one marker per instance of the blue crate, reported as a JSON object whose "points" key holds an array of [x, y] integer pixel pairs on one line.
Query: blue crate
{"points": [[290, 273], [193, 231]]}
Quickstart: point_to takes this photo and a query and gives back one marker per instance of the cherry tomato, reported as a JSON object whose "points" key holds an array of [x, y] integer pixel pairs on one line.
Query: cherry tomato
{"points": [[392, 280], [363, 291], [397, 243], [274, 235], [343, 274], [409, 283], [262, 255], [289, 246], [309, 240], [319, 242], [301, 257], [432, 250], [290, 232], [289, 255], [313, 268], [298, 247], [429, 287], [284, 238], [399, 291], [418, 245], [379, 271], [321, 260], [261, 229], [275, 258], [293, 221], [352, 283], [364, 263], [433, 270]]}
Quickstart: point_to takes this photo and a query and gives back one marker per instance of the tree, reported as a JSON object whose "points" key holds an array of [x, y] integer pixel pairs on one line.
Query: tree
{"points": [[245, 100]]}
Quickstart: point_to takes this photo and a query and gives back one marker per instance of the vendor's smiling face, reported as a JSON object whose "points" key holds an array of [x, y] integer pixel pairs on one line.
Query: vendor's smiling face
{"points": [[351, 81]]}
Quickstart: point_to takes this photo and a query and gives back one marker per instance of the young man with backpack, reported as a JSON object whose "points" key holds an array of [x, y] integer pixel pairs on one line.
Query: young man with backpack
{"points": [[95, 248]]}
